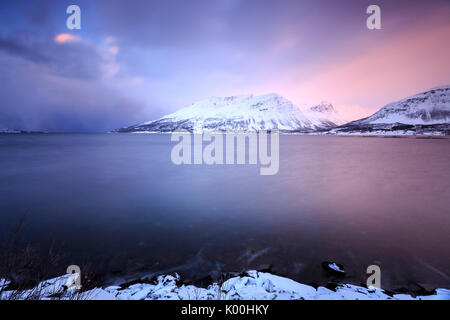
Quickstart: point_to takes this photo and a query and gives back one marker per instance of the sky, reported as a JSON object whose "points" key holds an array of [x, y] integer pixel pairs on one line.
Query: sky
{"points": [[137, 60]]}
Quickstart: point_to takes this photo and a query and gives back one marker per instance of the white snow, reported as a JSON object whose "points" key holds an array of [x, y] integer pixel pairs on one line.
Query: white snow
{"points": [[245, 113], [265, 112], [3, 283], [269, 111], [254, 285], [335, 267]]}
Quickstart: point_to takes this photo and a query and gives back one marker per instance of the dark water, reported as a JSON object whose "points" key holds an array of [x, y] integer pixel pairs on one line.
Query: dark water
{"points": [[118, 202]]}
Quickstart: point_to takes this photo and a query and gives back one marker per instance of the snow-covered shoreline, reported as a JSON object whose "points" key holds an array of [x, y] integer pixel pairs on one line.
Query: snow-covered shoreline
{"points": [[253, 285]]}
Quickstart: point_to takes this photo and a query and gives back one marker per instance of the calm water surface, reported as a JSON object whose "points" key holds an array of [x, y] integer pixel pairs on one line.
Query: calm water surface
{"points": [[118, 202]]}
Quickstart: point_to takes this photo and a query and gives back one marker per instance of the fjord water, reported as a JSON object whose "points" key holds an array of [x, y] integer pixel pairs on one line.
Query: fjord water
{"points": [[120, 204]]}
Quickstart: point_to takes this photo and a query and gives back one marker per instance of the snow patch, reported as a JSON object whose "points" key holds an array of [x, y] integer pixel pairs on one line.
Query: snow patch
{"points": [[253, 285]]}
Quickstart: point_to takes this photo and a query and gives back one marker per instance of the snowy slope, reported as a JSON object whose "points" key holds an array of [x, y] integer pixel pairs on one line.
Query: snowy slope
{"points": [[237, 113], [430, 107], [324, 115]]}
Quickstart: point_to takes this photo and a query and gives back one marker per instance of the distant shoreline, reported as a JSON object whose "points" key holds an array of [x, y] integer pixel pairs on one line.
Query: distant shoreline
{"points": [[345, 135]]}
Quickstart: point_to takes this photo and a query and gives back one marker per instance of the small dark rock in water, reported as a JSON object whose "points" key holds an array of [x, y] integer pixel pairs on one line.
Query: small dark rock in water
{"points": [[334, 269]]}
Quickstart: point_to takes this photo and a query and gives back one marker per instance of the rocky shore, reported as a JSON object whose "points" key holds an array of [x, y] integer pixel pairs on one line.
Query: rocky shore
{"points": [[252, 285]]}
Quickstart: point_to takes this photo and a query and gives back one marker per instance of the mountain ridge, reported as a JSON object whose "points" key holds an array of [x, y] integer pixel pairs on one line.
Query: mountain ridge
{"points": [[237, 113], [427, 112]]}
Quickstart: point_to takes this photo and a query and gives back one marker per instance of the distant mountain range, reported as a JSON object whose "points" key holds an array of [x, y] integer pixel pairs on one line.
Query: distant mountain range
{"points": [[244, 113], [16, 131], [424, 112]]}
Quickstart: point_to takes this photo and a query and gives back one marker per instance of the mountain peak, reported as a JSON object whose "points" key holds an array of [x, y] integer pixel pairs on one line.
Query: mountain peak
{"points": [[323, 107], [324, 115]]}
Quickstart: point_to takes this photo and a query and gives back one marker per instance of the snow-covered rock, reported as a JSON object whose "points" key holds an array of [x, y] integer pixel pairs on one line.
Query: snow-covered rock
{"points": [[334, 268], [237, 113], [253, 285], [257, 286]]}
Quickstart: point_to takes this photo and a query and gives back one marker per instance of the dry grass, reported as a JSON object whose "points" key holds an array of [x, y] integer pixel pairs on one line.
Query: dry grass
{"points": [[24, 267]]}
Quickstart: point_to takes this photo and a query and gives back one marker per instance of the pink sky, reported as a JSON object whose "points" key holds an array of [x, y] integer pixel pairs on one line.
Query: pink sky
{"points": [[375, 72]]}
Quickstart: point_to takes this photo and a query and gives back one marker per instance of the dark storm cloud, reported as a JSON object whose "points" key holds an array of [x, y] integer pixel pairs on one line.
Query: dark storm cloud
{"points": [[38, 100], [55, 86], [75, 60], [16, 49]]}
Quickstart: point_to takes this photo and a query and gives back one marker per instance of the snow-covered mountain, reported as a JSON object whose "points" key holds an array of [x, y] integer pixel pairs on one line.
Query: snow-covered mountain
{"points": [[424, 113], [237, 113], [324, 115], [421, 113], [429, 107]]}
